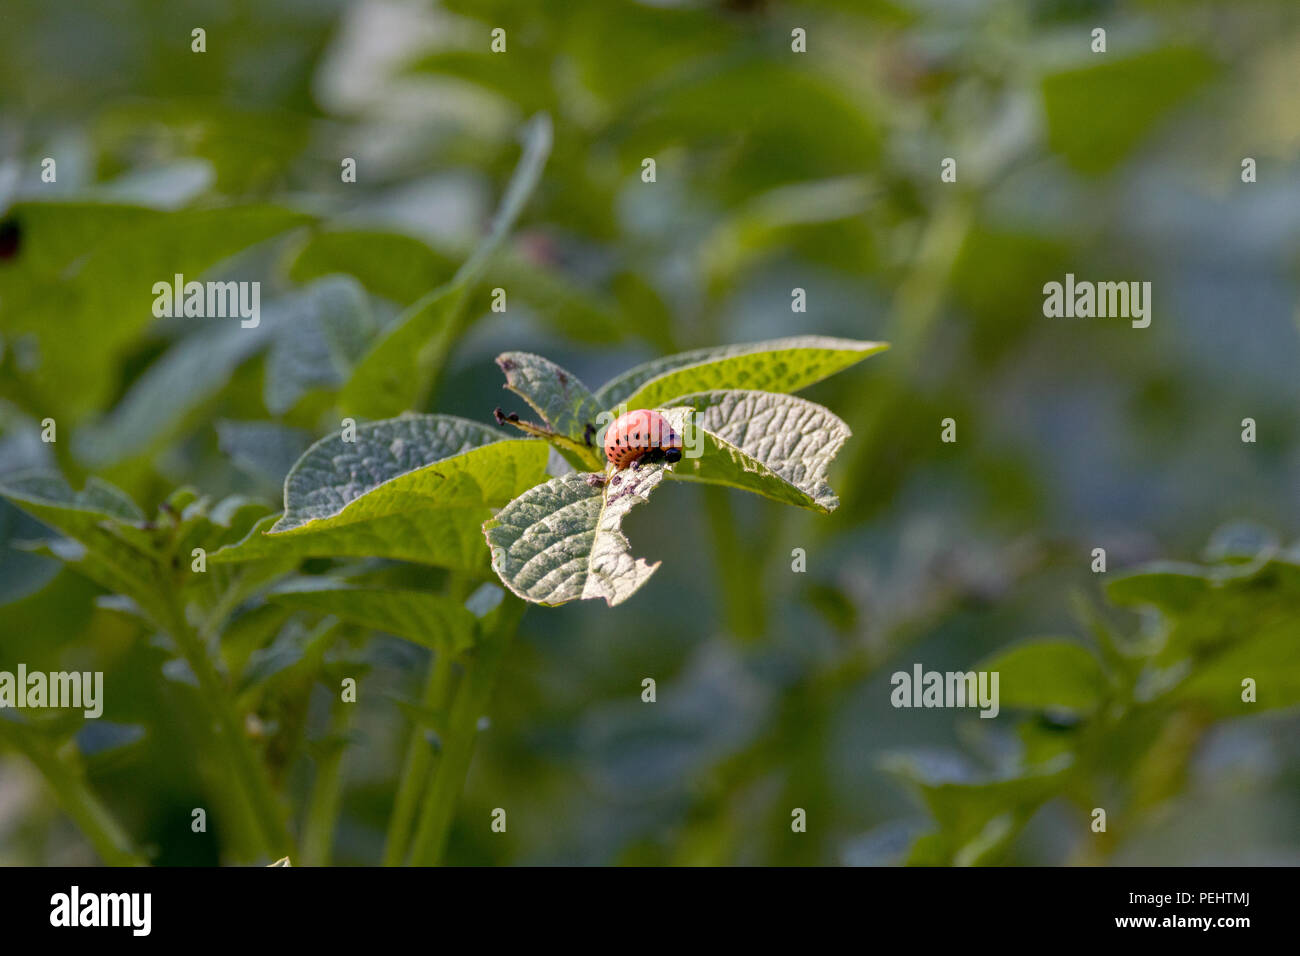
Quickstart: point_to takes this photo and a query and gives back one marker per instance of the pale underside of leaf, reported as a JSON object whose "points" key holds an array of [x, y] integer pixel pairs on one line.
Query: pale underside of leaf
{"points": [[564, 403], [779, 446], [562, 541]]}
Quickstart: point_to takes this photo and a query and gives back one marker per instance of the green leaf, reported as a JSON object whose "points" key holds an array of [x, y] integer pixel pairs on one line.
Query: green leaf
{"points": [[1167, 585], [265, 450], [1270, 656], [779, 446], [401, 369], [415, 488], [764, 110], [527, 84], [571, 310], [763, 224], [1097, 114], [107, 544], [394, 266], [110, 543], [566, 406], [396, 375], [1048, 675], [977, 816], [431, 620], [163, 399], [777, 365], [1220, 624], [561, 541], [92, 286], [402, 268], [318, 337]]}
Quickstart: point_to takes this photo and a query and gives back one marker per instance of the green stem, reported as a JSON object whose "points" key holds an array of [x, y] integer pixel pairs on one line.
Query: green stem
{"points": [[472, 696], [743, 608], [247, 769], [94, 819], [916, 309], [327, 790], [419, 758]]}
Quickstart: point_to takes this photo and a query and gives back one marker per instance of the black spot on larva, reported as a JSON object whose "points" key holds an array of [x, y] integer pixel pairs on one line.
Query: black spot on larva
{"points": [[11, 238]]}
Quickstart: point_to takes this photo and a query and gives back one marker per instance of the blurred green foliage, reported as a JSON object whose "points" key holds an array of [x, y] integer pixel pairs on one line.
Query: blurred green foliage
{"points": [[774, 171]]}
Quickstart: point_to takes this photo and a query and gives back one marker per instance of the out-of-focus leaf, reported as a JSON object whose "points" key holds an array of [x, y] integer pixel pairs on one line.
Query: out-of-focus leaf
{"points": [[93, 284], [568, 308], [1172, 587], [100, 739], [21, 450], [163, 399], [317, 341], [524, 85], [775, 135], [1242, 543], [1048, 675], [402, 268], [106, 542], [249, 147], [398, 372], [765, 222], [1221, 624], [976, 816], [777, 365], [432, 620], [415, 488], [170, 186], [391, 265], [1097, 114], [296, 648], [266, 450], [395, 375], [97, 508]]}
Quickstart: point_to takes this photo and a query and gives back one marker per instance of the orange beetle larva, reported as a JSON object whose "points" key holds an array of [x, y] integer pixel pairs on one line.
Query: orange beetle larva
{"points": [[641, 437]]}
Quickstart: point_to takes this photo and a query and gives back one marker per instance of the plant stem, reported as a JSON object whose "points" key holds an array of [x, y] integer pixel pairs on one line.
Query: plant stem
{"points": [[917, 307], [415, 768], [94, 819], [264, 807], [743, 609], [323, 805], [472, 696]]}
